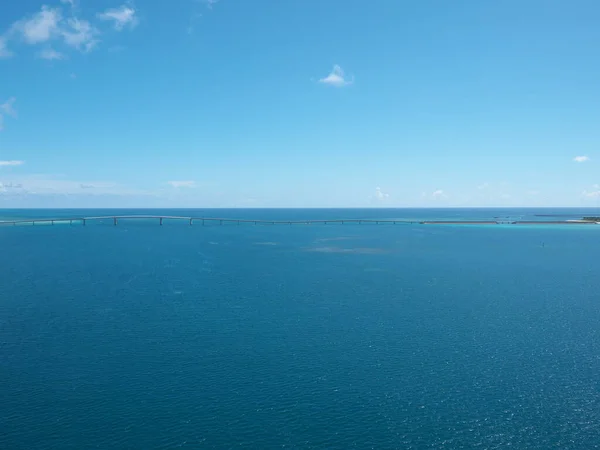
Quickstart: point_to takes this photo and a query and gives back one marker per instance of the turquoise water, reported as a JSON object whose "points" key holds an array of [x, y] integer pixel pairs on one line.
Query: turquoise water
{"points": [[327, 336]]}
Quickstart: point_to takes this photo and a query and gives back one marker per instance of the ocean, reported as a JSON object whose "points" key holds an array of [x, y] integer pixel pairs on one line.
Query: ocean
{"points": [[140, 336]]}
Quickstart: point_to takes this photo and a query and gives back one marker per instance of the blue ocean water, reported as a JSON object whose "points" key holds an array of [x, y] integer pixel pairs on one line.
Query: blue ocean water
{"points": [[323, 336]]}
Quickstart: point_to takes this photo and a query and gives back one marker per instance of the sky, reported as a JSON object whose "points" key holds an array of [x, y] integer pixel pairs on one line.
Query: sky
{"points": [[312, 103]]}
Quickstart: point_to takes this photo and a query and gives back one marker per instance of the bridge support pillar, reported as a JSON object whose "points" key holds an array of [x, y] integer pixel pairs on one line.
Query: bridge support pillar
{"points": [[52, 222], [191, 220], [114, 221], [202, 222], [220, 222], [83, 222], [161, 220]]}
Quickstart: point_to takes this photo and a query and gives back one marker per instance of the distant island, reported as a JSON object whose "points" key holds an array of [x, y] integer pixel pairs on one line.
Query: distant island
{"points": [[592, 219]]}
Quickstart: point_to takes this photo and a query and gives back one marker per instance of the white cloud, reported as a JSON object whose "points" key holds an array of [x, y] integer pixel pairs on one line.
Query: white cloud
{"points": [[5, 187], [41, 27], [380, 195], [483, 186], [182, 184], [121, 16], [97, 185], [10, 163], [51, 54], [7, 109], [49, 25], [436, 195], [48, 185], [581, 159], [336, 78], [591, 194], [4, 51], [80, 34]]}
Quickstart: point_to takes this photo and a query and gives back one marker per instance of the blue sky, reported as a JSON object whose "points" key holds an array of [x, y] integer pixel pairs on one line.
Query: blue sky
{"points": [[313, 103]]}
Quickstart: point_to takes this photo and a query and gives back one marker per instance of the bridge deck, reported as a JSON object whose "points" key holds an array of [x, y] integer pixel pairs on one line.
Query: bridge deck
{"points": [[224, 220]]}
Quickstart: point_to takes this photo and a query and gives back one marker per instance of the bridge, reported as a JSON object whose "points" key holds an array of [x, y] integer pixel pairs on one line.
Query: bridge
{"points": [[222, 221], [191, 220]]}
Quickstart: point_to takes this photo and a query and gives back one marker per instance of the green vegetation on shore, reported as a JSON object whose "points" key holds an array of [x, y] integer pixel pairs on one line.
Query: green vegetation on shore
{"points": [[592, 219]]}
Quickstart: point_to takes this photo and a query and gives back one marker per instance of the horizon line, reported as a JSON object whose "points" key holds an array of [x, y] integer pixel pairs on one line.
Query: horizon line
{"points": [[294, 207]]}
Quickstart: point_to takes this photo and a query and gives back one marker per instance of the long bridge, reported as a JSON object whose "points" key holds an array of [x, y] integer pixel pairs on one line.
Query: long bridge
{"points": [[222, 220]]}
